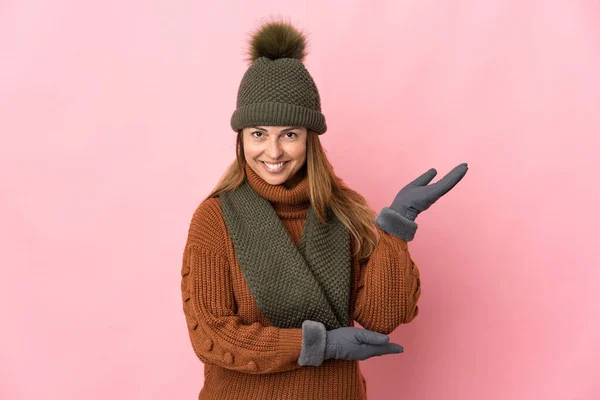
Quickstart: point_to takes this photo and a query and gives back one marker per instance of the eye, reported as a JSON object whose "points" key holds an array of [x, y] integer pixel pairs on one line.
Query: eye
{"points": [[256, 132], [293, 133]]}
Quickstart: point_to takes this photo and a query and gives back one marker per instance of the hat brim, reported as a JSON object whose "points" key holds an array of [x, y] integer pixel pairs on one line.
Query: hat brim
{"points": [[278, 114]]}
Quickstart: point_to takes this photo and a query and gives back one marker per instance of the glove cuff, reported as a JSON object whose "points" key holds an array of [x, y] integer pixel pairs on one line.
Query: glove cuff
{"points": [[314, 339], [395, 224]]}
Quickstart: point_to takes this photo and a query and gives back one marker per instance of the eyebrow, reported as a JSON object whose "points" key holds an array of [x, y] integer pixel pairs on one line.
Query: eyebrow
{"points": [[283, 130]]}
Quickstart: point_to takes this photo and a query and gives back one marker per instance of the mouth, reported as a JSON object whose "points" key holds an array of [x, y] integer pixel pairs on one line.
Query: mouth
{"points": [[275, 167]]}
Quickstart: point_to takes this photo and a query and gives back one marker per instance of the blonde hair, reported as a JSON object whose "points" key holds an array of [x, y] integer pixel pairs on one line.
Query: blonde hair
{"points": [[326, 189]]}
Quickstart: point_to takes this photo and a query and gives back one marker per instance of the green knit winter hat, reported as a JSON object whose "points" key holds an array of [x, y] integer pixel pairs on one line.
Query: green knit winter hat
{"points": [[277, 90]]}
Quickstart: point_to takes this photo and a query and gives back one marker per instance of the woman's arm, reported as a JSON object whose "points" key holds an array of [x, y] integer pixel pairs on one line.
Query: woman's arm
{"points": [[220, 337], [389, 286]]}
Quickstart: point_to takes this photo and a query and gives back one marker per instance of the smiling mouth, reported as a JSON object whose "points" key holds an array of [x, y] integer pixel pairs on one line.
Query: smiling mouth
{"points": [[279, 166]]}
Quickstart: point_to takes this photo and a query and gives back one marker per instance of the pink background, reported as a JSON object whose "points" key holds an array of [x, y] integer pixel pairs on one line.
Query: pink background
{"points": [[114, 119]]}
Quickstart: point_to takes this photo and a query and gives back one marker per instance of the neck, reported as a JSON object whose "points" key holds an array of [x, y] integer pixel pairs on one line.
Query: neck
{"points": [[291, 196], [294, 180]]}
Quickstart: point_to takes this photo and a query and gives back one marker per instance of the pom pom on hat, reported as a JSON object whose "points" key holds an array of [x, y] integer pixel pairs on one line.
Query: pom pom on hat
{"points": [[277, 39], [277, 89]]}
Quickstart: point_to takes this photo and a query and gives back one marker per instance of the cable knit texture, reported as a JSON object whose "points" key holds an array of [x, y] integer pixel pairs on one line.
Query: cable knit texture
{"points": [[244, 355]]}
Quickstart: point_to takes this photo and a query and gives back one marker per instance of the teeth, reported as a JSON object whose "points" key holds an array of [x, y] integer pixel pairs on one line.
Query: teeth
{"points": [[274, 166]]}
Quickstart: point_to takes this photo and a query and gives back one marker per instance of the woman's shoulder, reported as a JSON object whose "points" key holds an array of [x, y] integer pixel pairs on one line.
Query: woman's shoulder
{"points": [[209, 208], [207, 227]]}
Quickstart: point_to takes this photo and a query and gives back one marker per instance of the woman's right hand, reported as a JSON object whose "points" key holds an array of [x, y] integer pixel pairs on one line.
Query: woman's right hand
{"points": [[350, 343]]}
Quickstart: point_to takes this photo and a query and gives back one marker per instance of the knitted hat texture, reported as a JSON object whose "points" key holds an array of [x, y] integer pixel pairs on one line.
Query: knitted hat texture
{"points": [[277, 89]]}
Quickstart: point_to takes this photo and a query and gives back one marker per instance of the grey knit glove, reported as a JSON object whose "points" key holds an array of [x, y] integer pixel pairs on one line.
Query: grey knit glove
{"points": [[398, 219], [348, 343]]}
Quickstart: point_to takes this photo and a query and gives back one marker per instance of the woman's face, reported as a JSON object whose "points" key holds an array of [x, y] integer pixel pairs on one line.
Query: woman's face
{"points": [[266, 147]]}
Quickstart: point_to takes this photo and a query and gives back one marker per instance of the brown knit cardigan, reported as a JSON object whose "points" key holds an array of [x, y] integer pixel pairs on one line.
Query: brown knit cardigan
{"points": [[244, 356]]}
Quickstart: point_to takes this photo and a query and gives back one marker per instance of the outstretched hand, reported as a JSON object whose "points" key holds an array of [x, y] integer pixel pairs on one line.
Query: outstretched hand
{"points": [[418, 196]]}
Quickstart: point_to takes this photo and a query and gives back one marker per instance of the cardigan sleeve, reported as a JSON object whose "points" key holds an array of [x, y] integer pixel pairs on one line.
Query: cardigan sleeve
{"points": [[217, 334], [389, 286]]}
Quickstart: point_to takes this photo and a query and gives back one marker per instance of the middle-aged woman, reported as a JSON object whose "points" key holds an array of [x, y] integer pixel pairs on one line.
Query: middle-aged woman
{"points": [[282, 257]]}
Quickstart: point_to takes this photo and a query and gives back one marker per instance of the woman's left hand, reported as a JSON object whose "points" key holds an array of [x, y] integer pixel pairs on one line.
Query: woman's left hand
{"points": [[418, 196]]}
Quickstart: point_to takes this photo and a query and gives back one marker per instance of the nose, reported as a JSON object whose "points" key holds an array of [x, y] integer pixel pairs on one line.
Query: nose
{"points": [[274, 149]]}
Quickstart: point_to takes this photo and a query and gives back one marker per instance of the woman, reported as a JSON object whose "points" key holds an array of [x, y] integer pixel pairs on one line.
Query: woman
{"points": [[282, 257]]}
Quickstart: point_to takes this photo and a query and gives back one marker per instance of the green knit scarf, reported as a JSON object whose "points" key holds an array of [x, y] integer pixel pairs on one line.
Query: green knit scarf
{"points": [[290, 284]]}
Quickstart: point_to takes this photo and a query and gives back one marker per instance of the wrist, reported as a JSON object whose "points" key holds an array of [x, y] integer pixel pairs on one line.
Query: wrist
{"points": [[407, 212], [314, 340], [391, 221]]}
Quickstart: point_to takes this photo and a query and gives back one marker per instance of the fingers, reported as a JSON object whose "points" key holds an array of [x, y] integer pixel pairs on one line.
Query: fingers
{"points": [[444, 185], [378, 343], [370, 337], [425, 178], [389, 348]]}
